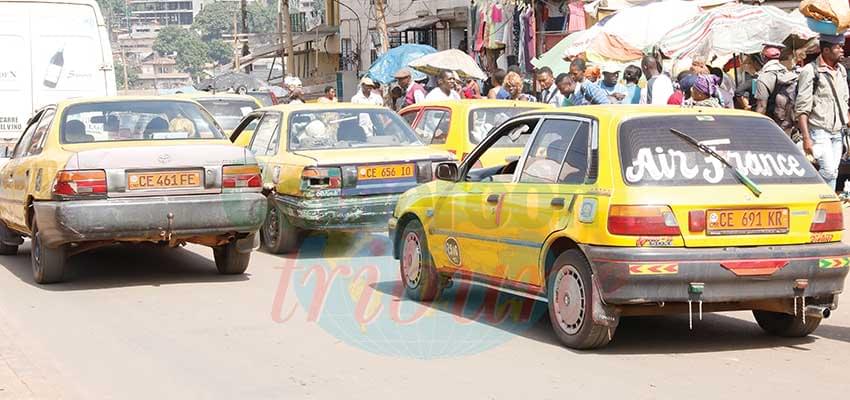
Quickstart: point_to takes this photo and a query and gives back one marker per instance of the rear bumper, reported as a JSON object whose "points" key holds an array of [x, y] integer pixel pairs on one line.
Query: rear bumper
{"points": [[338, 213], [146, 218], [634, 275]]}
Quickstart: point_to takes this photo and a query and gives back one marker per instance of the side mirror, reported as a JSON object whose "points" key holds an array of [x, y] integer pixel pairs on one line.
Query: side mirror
{"points": [[446, 171]]}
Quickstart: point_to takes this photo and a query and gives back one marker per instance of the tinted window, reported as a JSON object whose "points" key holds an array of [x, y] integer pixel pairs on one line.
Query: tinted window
{"points": [[546, 156], [652, 155], [348, 128], [228, 113], [265, 136], [483, 120], [136, 120], [433, 127]]}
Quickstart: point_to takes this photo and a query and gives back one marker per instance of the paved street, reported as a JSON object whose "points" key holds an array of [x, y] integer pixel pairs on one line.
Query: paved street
{"points": [[139, 322]]}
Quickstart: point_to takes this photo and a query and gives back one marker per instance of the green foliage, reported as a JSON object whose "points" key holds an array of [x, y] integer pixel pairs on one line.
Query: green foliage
{"points": [[190, 52], [132, 75], [262, 17], [216, 19], [220, 51], [113, 11]]}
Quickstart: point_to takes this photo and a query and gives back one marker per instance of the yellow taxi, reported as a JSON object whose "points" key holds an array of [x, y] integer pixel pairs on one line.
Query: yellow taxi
{"points": [[633, 210], [459, 125], [228, 109], [93, 172], [333, 167]]}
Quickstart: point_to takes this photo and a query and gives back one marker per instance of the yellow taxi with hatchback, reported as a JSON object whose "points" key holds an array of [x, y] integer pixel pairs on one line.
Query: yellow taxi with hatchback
{"points": [[228, 109], [92, 172], [457, 126], [333, 167], [633, 210]]}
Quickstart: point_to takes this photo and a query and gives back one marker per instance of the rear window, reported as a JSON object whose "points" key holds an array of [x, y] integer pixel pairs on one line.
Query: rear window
{"points": [[335, 128], [136, 120], [483, 120], [651, 155], [264, 97], [228, 112]]}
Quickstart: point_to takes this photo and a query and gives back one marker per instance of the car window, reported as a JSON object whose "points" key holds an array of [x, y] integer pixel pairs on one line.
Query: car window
{"points": [[26, 138], [410, 117], [249, 124], [547, 153], [340, 128], [433, 127], [265, 136], [38, 136], [484, 120], [228, 112], [514, 132]]}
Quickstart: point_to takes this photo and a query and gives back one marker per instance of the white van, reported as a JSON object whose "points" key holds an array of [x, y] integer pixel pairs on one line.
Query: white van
{"points": [[49, 50]]}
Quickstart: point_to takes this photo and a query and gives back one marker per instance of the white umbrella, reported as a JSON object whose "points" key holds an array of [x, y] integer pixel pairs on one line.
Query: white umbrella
{"points": [[449, 60]]}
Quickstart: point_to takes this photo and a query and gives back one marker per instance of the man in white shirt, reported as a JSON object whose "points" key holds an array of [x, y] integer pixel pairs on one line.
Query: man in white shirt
{"points": [[444, 91], [365, 95], [659, 87]]}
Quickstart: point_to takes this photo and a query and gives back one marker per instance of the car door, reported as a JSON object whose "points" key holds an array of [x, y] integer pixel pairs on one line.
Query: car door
{"points": [[553, 173], [432, 126], [465, 218], [13, 182], [266, 138]]}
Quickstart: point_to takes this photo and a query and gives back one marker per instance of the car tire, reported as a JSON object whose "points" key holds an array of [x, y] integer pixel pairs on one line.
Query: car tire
{"points": [[48, 264], [8, 250], [416, 266], [229, 260], [570, 295], [785, 325], [279, 236]]}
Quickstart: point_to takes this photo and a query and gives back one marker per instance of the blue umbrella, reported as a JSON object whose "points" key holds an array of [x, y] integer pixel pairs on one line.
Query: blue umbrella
{"points": [[384, 68]]}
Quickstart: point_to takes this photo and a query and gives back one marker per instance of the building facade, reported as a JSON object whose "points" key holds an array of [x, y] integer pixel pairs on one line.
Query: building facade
{"points": [[163, 12]]}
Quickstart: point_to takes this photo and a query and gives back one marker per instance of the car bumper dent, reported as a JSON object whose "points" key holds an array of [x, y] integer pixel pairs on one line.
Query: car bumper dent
{"points": [[338, 213]]}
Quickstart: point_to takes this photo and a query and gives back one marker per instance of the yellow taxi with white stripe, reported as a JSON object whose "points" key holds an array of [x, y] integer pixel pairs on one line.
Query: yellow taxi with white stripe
{"points": [[633, 210]]}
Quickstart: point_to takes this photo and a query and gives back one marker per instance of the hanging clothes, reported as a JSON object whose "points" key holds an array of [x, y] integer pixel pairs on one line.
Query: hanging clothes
{"points": [[497, 29], [577, 21], [530, 39], [480, 32]]}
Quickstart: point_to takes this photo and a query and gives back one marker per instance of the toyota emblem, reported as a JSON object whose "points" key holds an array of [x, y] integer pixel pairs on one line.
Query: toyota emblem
{"points": [[164, 158]]}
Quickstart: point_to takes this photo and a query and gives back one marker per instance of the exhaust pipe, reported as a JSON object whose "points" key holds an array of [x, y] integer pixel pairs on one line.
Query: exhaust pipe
{"points": [[818, 312]]}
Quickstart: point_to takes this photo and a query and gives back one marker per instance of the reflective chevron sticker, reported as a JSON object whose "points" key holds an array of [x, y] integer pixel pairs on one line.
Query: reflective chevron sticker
{"points": [[837, 262], [653, 269]]}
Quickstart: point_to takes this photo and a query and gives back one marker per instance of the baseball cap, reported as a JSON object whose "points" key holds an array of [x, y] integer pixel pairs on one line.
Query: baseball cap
{"points": [[402, 73], [366, 81], [611, 69]]}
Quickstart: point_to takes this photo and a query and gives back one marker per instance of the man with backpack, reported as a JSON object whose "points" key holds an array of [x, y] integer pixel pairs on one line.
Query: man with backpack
{"points": [[776, 88], [822, 107]]}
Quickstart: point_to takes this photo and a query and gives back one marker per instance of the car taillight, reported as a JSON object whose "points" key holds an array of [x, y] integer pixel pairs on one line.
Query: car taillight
{"points": [[696, 221], [241, 177], [829, 216], [321, 178], [642, 221], [424, 172], [80, 183]]}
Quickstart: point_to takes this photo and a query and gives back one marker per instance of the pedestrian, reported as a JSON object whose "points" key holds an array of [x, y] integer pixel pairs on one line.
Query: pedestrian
{"points": [[610, 84], [413, 92], [445, 87], [726, 90], [776, 87], [395, 98], [659, 87], [548, 91], [329, 97], [746, 89], [514, 84], [471, 90], [366, 95], [576, 94], [699, 66], [296, 96], [632, 75], [682, 88], [821, 107], [593, 74], [498, 91], [704, 92], [585, 92]]}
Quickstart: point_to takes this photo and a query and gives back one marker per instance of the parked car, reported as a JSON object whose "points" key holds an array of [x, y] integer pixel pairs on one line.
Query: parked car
{"points": [[332, 167], [93, 172], [459, 125], [228, 109], [265, 97], [630, 211]]}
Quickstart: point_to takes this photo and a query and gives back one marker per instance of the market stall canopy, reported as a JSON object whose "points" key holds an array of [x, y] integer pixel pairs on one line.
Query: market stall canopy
{"points": [[232, 80], [733, 28], [449, 60], [384, 68]]}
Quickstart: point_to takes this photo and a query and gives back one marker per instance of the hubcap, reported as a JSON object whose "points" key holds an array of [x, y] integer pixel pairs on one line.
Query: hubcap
{"points": [[411, 260], [272, 223], [570, 298]]}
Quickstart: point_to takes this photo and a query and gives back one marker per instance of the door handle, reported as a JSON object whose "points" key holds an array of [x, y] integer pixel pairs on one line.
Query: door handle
{"points": [[557, 202], [493, 198]]}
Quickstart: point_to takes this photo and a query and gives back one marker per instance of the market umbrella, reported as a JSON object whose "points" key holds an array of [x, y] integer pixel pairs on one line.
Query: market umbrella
{"points": [[733, 28], [384, 68], [233, 80], [449, 60]]}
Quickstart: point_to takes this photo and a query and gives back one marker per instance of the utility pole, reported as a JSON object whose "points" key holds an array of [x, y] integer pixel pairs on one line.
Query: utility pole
{"points": [[125, 66], [236, 37], [243, 4], [286, 38], [382, 26]]}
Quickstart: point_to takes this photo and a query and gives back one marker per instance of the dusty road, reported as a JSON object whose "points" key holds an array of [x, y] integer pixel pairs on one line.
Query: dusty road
{"points": [[149, 323]]}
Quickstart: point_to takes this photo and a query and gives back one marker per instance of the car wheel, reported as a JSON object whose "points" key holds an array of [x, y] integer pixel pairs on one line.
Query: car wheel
{"points": [[48, 264], [278, 234], [418, 273], [229, 260], [570, 294], [786, 325], [7, 250]]}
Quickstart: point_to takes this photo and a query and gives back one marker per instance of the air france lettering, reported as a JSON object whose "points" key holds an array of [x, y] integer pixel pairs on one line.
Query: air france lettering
{"points": [[673, 164]]}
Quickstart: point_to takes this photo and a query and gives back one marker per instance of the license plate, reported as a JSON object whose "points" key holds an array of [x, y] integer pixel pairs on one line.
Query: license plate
{"points": [[746, 221], [163, 180], [394, 171]]}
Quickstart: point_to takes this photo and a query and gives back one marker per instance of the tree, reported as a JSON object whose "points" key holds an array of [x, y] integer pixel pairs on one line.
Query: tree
{"points": [[132, 75], [220, 51], [216, 19], [262, 18], [186, 46], [113, 11]]}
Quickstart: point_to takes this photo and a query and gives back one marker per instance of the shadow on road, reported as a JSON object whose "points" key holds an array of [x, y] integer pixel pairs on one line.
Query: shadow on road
{"points": [[642, 335], [124, 266], [321, 245]]}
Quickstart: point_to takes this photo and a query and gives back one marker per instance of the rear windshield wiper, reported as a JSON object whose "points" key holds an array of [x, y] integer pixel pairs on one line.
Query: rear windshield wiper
{"points": [[708, 150]]}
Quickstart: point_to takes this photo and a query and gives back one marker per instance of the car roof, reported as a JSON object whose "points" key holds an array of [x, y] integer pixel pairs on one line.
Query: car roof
{"points": [[321, 107], [625, 112], [206, 95], [118, 99], [478, 103]]}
